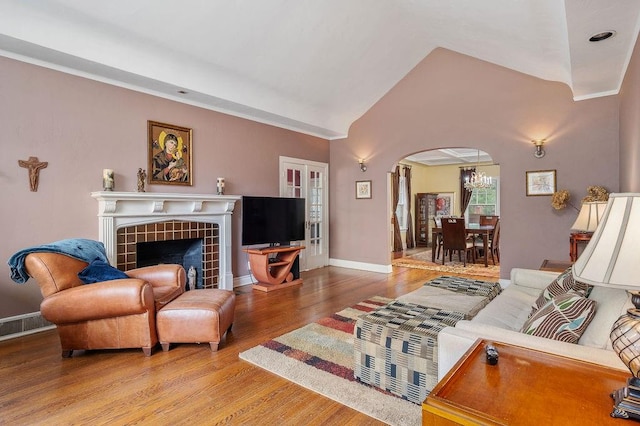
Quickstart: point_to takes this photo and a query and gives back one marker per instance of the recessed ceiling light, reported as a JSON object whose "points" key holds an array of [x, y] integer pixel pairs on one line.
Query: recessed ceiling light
{"points": [[602, 36], [182, 92]]}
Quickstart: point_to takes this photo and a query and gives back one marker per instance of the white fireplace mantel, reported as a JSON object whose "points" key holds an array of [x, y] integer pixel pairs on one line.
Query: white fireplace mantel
{"points": [[121, 209]]}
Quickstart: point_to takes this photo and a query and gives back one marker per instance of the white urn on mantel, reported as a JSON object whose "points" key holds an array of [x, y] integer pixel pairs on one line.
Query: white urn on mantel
{"points": [[120, 209]]}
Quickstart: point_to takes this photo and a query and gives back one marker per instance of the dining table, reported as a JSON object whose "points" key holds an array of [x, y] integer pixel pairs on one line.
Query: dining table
{"points": [[485, 231]]}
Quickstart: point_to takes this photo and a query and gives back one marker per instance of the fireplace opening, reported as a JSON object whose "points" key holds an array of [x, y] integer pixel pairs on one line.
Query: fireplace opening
{"points": [[185, 252]]}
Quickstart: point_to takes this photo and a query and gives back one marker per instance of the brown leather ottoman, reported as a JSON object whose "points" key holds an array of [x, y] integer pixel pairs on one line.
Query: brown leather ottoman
{"points": [[196, 316]]}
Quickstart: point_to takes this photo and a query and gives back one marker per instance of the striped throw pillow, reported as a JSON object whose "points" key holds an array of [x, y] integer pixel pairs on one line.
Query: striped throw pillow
{"points": [[564, 318], [562, 284]]}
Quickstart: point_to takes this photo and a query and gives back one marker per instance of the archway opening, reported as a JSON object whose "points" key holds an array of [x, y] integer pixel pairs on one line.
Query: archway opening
{"points": [[430, 186]]}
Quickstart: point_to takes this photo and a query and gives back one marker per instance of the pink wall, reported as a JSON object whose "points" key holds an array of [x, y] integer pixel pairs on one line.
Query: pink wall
{"points": [[80, 127], [449, 100], [452, 100], [630, 126]]}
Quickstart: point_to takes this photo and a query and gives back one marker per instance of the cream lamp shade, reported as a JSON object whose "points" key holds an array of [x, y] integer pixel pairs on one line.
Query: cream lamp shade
{"points": [[612, 256], [612, 259], [589, 216]]}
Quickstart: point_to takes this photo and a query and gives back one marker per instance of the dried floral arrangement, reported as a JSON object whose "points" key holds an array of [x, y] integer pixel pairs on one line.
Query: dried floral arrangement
{"points": [[596, 193], [561, 199]]}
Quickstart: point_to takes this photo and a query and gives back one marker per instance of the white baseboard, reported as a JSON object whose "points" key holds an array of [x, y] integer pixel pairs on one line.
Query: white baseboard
{"points": [[243, 280], [371, 267]]}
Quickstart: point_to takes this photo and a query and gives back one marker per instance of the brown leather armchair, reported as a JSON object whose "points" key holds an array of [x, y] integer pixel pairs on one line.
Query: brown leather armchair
{"points": [[106, 315]]}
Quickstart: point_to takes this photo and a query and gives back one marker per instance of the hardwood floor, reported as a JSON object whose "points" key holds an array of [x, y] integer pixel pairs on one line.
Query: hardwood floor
{"points": [[190, 384]]}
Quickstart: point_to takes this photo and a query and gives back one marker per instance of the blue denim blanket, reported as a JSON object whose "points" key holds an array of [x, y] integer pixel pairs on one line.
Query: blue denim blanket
{"points": [[78, 248]]}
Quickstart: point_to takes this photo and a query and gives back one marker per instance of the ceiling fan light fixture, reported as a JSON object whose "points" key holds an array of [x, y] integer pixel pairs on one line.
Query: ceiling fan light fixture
{"points": [[602, 36]]}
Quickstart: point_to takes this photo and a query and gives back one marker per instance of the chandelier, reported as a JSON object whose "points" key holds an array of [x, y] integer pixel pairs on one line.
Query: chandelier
{"points": [[477, 179]]}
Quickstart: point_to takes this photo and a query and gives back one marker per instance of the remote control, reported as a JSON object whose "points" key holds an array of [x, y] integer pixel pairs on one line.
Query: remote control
{"points": [[492, 354]]}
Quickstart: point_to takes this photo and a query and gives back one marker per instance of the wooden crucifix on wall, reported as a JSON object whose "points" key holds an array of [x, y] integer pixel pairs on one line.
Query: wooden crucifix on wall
{"points": [[34, 166]]}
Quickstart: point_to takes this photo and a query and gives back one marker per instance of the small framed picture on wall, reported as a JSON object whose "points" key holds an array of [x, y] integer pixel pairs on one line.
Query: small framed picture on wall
{"points": [[541, 182], [445, 203], [363, 189]]}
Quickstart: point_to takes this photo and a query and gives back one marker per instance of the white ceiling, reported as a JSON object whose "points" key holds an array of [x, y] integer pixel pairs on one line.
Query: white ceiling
{"points": [[309, 65]]}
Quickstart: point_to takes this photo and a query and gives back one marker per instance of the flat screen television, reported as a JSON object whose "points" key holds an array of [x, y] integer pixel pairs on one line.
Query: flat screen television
{"points": [[272, 220]]}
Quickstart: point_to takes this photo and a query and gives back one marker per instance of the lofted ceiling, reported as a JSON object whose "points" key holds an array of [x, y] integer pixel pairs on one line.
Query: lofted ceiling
{"points": [[313, 66]]}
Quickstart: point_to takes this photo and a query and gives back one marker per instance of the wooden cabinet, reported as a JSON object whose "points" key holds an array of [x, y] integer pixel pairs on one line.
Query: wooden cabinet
{"points": [[425, 211]]}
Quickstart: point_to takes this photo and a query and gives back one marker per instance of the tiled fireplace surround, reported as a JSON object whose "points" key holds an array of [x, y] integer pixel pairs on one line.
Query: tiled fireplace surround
{"points": [[127, 218], [128, 238]]}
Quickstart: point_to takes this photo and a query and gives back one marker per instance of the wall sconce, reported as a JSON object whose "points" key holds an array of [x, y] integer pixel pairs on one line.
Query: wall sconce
{"points": [[539, 152], [363, 167]]}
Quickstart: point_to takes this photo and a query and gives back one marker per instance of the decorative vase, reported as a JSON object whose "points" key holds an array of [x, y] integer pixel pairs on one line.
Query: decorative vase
{"points": [[107, 180]]}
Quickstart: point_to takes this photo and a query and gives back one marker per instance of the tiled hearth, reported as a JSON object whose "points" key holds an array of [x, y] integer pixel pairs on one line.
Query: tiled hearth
{"points": [[128, 238], [126, 218]]}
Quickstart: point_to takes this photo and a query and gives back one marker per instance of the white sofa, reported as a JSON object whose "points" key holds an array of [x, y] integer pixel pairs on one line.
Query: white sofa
{"points": [[502, 318]]}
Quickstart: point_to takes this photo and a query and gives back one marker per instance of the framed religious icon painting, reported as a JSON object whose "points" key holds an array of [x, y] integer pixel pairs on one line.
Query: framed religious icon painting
{"points": [[541, 182], [170, 154], [363, 189]]}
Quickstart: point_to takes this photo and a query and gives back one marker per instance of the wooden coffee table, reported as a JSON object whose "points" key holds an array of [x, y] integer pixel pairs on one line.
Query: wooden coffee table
{"points": [[526, 387]]}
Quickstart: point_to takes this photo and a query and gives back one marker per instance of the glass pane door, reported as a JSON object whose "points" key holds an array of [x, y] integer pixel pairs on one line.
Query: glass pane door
{"points": [[308, 180]]}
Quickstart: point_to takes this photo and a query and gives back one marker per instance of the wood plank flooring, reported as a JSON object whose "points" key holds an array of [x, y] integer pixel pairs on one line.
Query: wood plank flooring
{"points": [[190, 384]]}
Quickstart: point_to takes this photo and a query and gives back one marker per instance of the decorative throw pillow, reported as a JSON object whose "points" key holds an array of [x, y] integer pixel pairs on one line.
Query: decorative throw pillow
{"points": [[564, 318], [98, 271], [562, 284]]}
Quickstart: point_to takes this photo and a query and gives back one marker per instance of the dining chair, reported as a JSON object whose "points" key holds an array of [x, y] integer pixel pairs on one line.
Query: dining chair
{"points": [[437, 222], [494, 244], [489, 220], [454, 237]]}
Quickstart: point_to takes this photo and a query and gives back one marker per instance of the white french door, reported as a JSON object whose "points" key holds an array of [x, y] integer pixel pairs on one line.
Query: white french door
{"points": [[309, 180]]}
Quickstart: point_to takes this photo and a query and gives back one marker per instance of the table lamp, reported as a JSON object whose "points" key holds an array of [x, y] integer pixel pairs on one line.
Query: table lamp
{"points": [[611, 259], [589, 216]]}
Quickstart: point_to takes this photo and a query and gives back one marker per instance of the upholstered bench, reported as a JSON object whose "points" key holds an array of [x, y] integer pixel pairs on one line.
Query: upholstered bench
{"points": [[396, 346], [196, 316]]}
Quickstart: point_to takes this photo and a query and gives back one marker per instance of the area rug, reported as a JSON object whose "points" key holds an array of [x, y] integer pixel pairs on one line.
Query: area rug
{"points": [[422, 260], [319, 357]]}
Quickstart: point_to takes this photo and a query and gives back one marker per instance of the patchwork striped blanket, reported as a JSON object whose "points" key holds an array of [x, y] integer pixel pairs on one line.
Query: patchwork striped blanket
{"points": [[396, 346]]}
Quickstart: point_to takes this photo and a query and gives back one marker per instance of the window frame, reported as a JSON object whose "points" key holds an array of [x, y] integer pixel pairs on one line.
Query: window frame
{"points": [[496, 180]]}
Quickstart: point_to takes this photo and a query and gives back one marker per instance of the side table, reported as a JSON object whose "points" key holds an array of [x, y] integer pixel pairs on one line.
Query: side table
{"points": [[575, 239], [274, 273], [555, 265], [526, 387]]}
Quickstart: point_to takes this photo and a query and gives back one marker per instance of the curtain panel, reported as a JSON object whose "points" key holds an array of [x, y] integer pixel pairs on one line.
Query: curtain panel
{"points": [[465, 194], [410, 239], [395, 184]]}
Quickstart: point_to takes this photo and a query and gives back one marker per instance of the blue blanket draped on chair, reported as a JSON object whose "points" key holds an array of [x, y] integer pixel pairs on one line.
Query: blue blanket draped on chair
{"points": [[78, 248]]}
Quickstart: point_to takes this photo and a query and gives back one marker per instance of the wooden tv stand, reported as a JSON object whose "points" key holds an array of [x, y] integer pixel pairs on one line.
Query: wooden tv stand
{"points": [[273, 272]]}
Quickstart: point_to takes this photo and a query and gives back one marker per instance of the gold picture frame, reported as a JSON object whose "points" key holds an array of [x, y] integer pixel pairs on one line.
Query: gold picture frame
{"points": [[170, 154], [541, 182], [363, 189]]}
